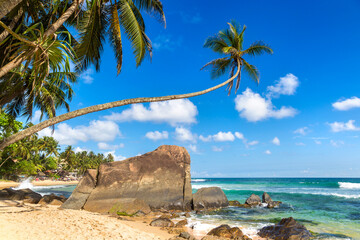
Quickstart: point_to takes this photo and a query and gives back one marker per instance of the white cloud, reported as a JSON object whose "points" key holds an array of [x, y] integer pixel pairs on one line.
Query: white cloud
{"points": [[116, 157], [217, 149], [285, 86], [252, 143], [183, 134], [106, 146], [302, 131], [193, 148], [300, 144], [79, 149], [253, 107], [239, 135], [172, 112], [223, 137], [276, 141], [267, 152], [157, 135], [343, 126], [36, 117], [347, 104], [205, 139], [336, 143], [318, 142], [97, 130], [167, 42], [87, 76]]}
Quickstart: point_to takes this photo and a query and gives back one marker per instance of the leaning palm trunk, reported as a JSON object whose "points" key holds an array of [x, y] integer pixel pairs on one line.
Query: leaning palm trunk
{"points": [[7, 5], [50, 31], [96, 108]]}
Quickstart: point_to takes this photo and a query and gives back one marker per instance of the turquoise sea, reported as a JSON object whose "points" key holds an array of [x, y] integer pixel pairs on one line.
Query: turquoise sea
{"points": [[329, 207]]}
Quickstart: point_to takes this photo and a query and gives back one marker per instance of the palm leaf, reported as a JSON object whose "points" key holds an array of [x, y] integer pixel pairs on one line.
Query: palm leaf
{"points": [[258, 48], [115, 35], [251, 70]]}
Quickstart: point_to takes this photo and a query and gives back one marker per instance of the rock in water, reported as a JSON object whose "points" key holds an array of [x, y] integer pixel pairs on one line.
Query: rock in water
{"points": [[273, 204], [160, 178], [266, 198], [82, 191], [27, 195], [286, 229], [253, 200], [209, 198]]}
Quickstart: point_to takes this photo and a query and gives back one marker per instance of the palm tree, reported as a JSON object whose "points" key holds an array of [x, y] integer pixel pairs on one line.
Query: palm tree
{"points": [[229, 42], [234, 56]]}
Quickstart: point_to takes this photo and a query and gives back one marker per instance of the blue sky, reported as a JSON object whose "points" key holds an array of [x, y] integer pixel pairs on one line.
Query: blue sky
{"points": [[301, 121]]}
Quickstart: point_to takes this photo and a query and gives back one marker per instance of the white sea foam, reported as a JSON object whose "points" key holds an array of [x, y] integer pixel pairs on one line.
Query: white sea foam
{"points": [[198, 180], [25, 184], [349, 185]]}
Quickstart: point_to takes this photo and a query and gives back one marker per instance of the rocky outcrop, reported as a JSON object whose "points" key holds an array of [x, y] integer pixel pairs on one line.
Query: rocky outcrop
{"points": [[26, 195], [46, 199], [287, 228], [162, 222], [225, 231], [253, 200], [273, 204], [82, 191], [129, 207], [209, 198], [266, 198], [160, 178]]}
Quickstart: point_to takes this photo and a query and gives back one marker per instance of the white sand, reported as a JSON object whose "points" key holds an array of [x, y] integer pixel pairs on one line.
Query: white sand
{"points": [[35, 222]]}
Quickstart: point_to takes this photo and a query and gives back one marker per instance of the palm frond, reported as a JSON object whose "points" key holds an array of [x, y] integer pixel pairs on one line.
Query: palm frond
{"points": [[115, 36], [152, 7], [251, 70], [258, 48], [216, 44]]}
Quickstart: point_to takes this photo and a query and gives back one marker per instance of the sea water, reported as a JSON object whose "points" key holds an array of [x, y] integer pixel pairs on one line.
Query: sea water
{"points": [[329, 207]]}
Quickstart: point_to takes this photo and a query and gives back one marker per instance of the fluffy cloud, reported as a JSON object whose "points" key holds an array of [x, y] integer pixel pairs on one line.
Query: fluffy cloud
{"points": [[343, 126], [193, 148], [318, 142], [183, 134], [217, 149], [106, 146], [252, 143], [302, 131], [336, 143], [87, 76], [116, 157], [253, 107], [222, 137], [97, 130], [300, 144], [285, 86], [267, 152], [172, 112], [157, 135], [276, 141], [347, 104]]}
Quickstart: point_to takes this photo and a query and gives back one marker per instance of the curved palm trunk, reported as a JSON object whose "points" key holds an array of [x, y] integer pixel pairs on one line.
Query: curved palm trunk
{"points": [[96, 108], [7, 5], [54, 27]]}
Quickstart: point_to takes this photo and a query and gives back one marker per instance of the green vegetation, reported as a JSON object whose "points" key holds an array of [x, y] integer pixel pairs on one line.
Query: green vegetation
{"points": [[32, 155]]}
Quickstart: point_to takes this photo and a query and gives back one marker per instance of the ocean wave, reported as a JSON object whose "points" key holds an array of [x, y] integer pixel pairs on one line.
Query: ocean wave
{"points": [[198, 180], [349, 185]]}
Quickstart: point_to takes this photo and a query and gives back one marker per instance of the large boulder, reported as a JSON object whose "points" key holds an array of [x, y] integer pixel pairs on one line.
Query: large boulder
{"points": [[162, 222], [160, 178], [129, 207], [27, 195], [82, 191], [209, 198], [253, 200], [286, 229], [266, 198], [226, 231]]}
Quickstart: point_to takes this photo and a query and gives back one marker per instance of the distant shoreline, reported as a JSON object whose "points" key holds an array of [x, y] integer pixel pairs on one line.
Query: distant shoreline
{"points": [[8, 184]]}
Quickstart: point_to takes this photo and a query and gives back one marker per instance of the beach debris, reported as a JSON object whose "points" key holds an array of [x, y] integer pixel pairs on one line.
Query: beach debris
{"points": [[162, 222], [209, 198], [253, 200], [287, 228]]}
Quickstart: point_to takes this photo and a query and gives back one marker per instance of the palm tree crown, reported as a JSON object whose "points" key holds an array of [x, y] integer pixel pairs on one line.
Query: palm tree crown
{"points": [[230, 42]]}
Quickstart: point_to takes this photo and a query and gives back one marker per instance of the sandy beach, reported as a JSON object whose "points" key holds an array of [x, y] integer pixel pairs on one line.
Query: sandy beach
{"points": [[49, 222], [7, 184]]}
